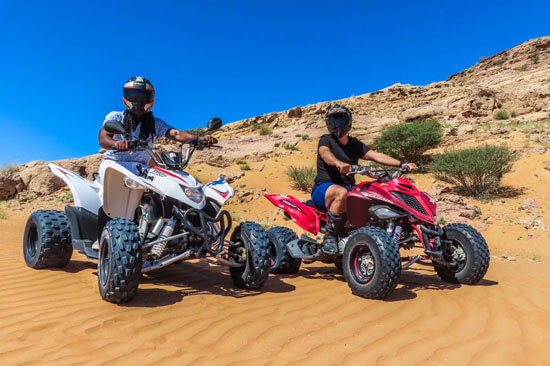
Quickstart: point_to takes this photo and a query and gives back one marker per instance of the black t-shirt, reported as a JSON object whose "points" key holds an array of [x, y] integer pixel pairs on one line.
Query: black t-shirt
{"points": [[349, 153]]}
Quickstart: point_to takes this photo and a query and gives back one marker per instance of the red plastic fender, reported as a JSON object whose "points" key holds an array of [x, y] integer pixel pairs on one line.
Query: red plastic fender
{"points": [[304, 216]]}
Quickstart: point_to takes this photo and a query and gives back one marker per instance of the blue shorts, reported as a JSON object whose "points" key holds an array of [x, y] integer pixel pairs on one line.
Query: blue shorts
{"points": [[320, 190]]}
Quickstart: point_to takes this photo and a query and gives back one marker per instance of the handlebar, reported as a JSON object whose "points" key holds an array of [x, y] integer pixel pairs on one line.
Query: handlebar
{"points": [[199, 144], [383, 175], [134, 145]]}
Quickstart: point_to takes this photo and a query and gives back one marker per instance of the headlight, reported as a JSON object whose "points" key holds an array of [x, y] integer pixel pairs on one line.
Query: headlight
{"points": [[193, 193], [130, 183], [384, 213]]}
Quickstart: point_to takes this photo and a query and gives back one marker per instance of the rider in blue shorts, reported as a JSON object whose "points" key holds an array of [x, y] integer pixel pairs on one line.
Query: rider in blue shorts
{"points": [[337, 152]]}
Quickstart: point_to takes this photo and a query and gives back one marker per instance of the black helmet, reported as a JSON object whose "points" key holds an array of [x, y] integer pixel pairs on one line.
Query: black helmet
{"points": [[338, 119], [139, 95]]}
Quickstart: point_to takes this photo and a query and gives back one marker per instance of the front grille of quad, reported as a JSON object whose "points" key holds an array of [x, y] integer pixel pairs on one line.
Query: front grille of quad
{"points": [[410, 201]]}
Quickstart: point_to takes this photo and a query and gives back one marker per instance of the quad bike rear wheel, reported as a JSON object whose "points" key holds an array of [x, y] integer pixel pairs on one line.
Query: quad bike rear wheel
{"points": [[280, 259], [119, 265], [253, 249], [371, 263], [465, 246], [47, 240]]}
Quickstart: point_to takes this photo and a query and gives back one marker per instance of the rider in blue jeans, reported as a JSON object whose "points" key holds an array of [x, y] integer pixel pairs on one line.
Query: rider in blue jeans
{"points": [[337, 152]]}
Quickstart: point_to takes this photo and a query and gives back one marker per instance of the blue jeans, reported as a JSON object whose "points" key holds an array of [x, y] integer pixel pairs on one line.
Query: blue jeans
{"points": [[320, 190]]}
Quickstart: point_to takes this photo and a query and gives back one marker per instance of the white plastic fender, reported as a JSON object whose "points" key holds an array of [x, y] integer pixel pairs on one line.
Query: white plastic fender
{"points": [[85, 194], [119, 200], [219, 190]]}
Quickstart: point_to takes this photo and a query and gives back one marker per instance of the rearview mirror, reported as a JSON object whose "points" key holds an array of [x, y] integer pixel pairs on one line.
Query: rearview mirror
{"points": [[214, 123], [115, 127]]}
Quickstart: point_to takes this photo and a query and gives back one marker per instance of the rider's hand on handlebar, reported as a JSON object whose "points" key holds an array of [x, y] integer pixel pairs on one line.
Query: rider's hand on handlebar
{"points": [[412, 167], [343, 167], [209, 140], [121, 145]]}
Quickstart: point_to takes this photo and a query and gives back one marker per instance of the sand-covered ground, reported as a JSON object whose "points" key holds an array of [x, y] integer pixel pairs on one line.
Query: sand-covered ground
{"points": [[190, 314]]}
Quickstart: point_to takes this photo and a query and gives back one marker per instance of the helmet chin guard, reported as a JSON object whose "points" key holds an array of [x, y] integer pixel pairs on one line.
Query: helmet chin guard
{"points": [[338, 120], [138, 95]]}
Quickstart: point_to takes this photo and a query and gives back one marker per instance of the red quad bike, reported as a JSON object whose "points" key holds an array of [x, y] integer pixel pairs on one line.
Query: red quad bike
{"points": [[384, 216]]}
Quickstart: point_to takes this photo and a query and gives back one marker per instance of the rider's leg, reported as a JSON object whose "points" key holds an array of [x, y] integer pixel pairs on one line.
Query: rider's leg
{"points": [[335, 198]]}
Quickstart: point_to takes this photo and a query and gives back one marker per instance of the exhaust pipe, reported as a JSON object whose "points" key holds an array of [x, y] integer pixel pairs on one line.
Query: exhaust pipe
{"points": [[163, 262]]}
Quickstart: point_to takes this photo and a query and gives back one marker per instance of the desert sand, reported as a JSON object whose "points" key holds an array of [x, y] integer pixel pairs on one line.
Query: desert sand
{"points": [[190, 314]]}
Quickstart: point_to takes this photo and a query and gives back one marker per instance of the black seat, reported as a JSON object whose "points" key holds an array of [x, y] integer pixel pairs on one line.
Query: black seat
{"points": [[310, 203]]}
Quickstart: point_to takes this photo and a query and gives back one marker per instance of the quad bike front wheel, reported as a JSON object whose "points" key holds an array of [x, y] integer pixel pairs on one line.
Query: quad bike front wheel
{"points": [[253, 250], [371, 263], [463, 245], [119, 265], [280, 259], [47, 240]]}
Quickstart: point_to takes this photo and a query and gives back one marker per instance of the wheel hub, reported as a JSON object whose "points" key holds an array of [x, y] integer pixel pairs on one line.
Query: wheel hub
{"points": [[455, 252], [366, 262]]}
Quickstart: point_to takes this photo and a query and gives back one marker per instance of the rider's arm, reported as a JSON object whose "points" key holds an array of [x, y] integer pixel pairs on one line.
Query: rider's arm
{"points": [[384, 159], [183, 136], [381, 158], [329, 158], [106, 141]]}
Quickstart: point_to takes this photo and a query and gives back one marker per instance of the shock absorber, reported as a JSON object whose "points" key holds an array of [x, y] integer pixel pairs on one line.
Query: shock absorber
{"points": [[158, 250]]}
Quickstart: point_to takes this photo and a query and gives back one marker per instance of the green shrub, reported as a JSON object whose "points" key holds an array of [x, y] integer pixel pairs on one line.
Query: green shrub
{"points": [[292, 147], [521, 68], [305, 137], [243, 164], [302, 177], [3, 214], [535, 57], [501, 114], [10, 168], [408, 141], [265, 130], [474, 171], [500, 61]]}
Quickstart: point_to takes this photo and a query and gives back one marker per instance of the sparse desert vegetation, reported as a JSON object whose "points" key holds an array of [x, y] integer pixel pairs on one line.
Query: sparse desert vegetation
{"points": [[302, 177], [474, 171], [409, 140]]}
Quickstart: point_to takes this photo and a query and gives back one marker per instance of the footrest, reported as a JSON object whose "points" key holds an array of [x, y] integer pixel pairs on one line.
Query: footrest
{"points": [[85, 247], [295, 249]]}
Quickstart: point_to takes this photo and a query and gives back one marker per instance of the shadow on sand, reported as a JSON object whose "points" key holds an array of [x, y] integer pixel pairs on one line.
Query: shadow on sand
{"points": [[192, 279], [410, 282]]}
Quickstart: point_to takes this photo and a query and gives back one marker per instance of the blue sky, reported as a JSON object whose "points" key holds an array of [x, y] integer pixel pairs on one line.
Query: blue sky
{"points": [[63, 63]]}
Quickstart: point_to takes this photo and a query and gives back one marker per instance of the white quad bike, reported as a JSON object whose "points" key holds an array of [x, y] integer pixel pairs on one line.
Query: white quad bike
{"points": [[136, 223]]}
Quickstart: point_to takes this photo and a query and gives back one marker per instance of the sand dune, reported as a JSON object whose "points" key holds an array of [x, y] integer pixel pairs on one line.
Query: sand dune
{"points": [[191, 314]]}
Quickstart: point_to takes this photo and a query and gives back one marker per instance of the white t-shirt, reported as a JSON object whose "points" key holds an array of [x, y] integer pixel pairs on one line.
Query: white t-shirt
{"points": [[131, 159]]}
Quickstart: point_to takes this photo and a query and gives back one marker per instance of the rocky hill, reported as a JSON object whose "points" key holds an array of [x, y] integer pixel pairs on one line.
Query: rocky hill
{"points": [[514, 83]]}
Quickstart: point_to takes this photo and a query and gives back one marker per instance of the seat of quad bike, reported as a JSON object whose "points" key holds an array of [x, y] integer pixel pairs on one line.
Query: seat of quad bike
{"points": [[310, 203]]}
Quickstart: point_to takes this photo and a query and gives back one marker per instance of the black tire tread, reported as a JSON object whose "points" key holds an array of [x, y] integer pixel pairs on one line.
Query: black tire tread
{"points": [[288, 264], [390, 265], [481, 257], [55, 246], [253, 275], [126, 262]]}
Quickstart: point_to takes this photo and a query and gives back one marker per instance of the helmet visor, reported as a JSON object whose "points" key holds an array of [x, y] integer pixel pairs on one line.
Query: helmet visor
{"points": [[338, 120], [139, 95]]}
